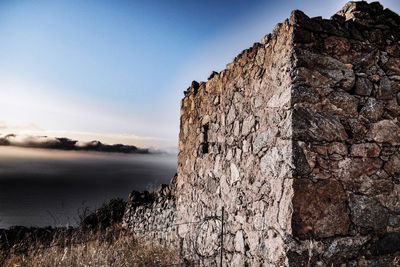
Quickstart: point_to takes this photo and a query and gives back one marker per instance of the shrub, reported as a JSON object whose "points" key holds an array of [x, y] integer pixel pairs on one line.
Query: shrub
{"points": [[108, 214]]}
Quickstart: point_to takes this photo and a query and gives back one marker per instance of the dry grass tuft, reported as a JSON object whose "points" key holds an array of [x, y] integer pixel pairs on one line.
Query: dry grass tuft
{"points": [[123, 250]]}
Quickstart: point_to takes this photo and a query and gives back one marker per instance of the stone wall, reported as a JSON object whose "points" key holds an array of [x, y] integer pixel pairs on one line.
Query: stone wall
{"points": [[235, 151], [298, 140], [346, 136], [153, 215]]}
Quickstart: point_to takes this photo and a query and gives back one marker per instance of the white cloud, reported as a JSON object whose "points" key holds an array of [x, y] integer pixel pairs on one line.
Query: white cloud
{"points": [[31, 134]]}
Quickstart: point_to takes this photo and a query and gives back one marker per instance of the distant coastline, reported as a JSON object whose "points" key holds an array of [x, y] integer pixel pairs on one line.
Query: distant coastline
{"points": [[63, 143]]}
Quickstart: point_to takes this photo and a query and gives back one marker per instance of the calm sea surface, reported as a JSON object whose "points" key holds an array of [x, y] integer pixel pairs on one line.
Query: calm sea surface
{"points": [[41, 187]]}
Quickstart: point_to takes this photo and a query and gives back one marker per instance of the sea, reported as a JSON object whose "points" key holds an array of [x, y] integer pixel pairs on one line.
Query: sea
{"points": [[40, 187]]}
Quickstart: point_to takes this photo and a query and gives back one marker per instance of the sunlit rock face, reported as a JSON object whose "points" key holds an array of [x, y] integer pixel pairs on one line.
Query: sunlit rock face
{"points": [[299, 141]]}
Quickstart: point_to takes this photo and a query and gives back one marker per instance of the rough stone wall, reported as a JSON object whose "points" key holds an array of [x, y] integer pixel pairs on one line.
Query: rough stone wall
{"points": [[298, 139], [346, 137], [153, 215], [235, 152]]}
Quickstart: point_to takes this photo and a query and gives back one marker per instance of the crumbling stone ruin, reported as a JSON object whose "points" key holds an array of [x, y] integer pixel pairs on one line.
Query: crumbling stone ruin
{"points": [[299, 140]]}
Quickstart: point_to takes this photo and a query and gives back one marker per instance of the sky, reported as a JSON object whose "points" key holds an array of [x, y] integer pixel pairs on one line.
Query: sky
{"points": [[115, 71]]}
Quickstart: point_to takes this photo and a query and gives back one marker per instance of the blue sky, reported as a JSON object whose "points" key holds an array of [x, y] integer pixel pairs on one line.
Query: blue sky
{"points": [[117, 69]]}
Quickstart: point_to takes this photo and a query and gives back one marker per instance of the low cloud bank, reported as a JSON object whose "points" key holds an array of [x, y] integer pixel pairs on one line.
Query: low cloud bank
{"points": [[69, 144]]}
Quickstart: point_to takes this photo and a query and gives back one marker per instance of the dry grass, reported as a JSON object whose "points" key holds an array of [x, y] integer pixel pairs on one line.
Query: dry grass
{"points": [[123, 250], [98, 241]]}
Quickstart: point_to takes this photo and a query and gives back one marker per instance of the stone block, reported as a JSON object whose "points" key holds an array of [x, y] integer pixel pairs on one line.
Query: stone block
{"points": [[363, 86], [385, 131], [365, 150], [367, 212], [373, 109], [320, 209], [316, 126]]}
